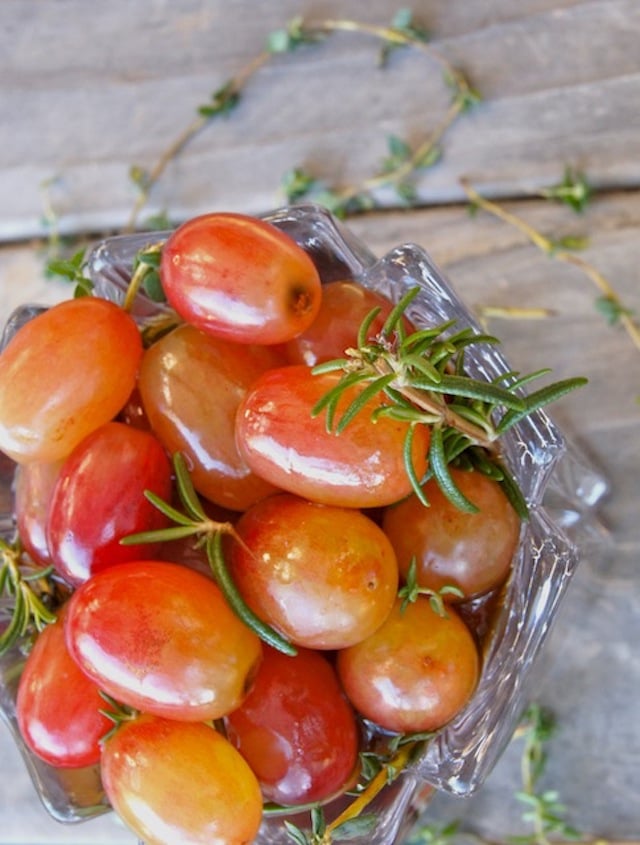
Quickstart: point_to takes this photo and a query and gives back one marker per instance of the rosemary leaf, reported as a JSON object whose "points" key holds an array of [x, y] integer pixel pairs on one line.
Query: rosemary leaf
{"points": [[167, 509], [418, 342], [410, 469], [329, 401], [161, 535], [522, 381], [17, 624], [514, 494], [473, 389], [439, 466], [224, 580], [365, 326], [358, 403], [423, 366], [186, 491], [539, 399], [398, 311]]}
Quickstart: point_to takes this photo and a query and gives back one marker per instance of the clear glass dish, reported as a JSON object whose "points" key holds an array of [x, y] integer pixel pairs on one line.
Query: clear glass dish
{"points": [[562, 490]]}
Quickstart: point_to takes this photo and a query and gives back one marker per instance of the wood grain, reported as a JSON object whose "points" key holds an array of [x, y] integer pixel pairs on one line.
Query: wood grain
{"points": [[84, 102]]}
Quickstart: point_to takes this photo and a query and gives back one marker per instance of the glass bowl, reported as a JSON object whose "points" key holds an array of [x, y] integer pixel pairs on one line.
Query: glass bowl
{"points": [[562, 491]]}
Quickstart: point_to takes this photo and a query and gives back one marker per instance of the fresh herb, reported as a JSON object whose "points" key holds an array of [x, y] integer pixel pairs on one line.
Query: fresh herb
{"points": [[437, 598], [26, 594], [353, 821], [421, 379], [192, 521], [117, 713], [145, 275], [609, 302], [543, 810], [573, 190], [403, 31], [72, 270], [434, 834]]}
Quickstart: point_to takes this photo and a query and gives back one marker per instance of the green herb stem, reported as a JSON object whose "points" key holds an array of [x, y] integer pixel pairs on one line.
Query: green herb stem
{"points": [[548, 247]]}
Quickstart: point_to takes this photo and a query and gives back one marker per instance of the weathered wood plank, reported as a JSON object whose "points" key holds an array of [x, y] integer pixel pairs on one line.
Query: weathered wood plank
{"points": [[84, 97]]}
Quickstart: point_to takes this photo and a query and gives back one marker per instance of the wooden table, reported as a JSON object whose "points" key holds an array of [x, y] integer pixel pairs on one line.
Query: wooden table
{"points": [[91, 89]]}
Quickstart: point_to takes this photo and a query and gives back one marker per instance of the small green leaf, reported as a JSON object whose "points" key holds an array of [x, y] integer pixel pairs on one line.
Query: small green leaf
{"points": [[291, 37], [362, 399], [409, 468], [424, 367], [186, 490], [297, 184], [473, 389], [161, 535], [158, 222], [361, 825], [399, 310], [573, 190], [318, 824], [464, 96], [439, 466], [431, 155], [294, 833], [223, 101], [329, 401], [403, 21], [71, 270], [406, 192], [611, 309], [364, 328], [152, 286], [570, 242], [539, 399], [140, 177], [398, 148]]}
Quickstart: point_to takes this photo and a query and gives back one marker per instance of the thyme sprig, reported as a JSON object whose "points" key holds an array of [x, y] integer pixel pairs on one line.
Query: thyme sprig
{"points": [[25, 593], [608, 303], [411, 589], [145, 275], [192, 521], [420, 378], [543, 810], [403, 31], [398, 169], [353, 820]]}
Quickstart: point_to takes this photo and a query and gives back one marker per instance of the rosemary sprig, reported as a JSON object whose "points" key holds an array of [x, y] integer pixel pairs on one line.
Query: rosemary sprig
{"points": [[26, 591], [117, 713], [192, 521], [421, 379]]}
